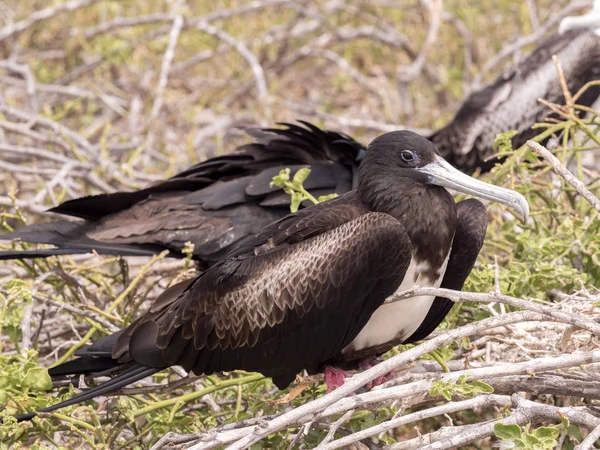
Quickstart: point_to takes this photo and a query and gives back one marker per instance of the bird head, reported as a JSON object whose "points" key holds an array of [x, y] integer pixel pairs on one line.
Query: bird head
{"points": [[407, 155]]}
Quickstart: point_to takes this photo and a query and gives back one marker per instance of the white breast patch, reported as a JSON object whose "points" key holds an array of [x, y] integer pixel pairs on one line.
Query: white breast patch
{"points": [[400, 318]]}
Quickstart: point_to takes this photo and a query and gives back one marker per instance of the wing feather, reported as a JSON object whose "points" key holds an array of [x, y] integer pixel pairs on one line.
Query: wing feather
{"points": [[278, 311]]}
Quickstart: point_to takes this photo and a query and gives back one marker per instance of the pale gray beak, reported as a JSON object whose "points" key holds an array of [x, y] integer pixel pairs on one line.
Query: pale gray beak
{"points": [[590, 21], [441, 173]]}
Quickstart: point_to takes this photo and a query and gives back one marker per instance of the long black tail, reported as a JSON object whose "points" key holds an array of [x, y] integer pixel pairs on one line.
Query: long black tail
{"points": [[84, 366], [112, 250], [70, 239], [131, 375]]}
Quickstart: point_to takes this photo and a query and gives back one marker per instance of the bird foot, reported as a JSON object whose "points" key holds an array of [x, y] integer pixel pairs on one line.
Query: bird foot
{"points": [[367, 364], [334, 378]]}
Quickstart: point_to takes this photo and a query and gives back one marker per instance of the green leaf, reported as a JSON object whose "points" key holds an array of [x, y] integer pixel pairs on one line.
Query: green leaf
{"points": [[503, 142], [508, 432], [480, 386], [297, 199], [546, 432], [324, 198], [435, 389], [299, 177], [530, 439], [281, 179], [463, 379], [38, 380], [5, 381], [548, 444]]}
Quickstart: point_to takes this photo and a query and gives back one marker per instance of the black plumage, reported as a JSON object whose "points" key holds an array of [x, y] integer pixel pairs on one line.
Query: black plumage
{"points": [[219, 202], [308, 290], [511, 102], [213, 204]]}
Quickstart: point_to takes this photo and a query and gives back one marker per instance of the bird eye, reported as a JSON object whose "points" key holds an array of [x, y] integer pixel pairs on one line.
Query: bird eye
{"points": [[408, 156]]}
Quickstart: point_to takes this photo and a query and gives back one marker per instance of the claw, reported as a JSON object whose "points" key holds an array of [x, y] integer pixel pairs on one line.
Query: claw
{"points": [[334, 378], [367, 364]]}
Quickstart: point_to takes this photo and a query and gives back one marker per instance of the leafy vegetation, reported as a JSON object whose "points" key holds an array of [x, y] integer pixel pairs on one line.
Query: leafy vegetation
{"points": [[542, 438], [49, 308], [462, 388], [295, 188]]}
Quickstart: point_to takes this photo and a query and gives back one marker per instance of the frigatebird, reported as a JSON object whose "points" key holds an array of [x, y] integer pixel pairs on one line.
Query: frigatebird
{"points": [[213, 204], [308, 291], [511, 102], [217, 203]]}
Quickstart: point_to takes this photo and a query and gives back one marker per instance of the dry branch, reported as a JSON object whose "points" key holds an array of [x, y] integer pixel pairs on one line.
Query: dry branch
{"points": [[497, 297], [335, 403], [80, 127], [43, 14], [166, 66], [564, 172]]}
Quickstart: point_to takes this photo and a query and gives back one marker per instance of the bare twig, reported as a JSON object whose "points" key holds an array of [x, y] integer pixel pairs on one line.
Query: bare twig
{"points": [[357, 381], [564, 172], [525, 412], [78, 312], [244, 51], [333, 429], [126, 22], [508, 50], [26, 328], [496, 297], [409, 73], [25, 71], [533, 13], [590, 439], [477, 402], [43, 14], [166, 66]]}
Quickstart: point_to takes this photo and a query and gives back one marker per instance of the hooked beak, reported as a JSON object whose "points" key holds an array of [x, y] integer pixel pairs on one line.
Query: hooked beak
{"points": [[441, 173]]}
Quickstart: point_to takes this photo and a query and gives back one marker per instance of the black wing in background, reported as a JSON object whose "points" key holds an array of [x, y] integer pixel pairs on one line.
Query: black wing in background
{"points": [[213, 204]]}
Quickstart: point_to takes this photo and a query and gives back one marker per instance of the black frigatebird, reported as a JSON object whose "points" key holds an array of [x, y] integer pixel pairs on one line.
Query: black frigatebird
{"points": [[217, 203], [213, 204], [512, 101], [308, 291]]}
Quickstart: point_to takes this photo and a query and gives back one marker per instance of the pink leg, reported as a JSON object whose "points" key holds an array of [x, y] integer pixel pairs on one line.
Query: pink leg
{"points": [[371, 362], [334, 378]]}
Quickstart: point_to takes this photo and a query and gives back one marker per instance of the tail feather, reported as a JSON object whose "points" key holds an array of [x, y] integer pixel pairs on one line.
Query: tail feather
{"points": [[101, 249], [70, 238], [131, 375], [47, 233], [82, 366], [41, 253]]}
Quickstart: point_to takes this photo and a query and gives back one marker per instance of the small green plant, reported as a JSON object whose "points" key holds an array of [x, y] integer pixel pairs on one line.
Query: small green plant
{"points": [[503, 142], [542, 438], [14, 296], [295, 188], [462, 387]]}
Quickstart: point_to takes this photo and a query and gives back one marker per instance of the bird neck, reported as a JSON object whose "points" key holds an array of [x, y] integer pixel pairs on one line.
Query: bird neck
{"points": [[427, 212]]}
